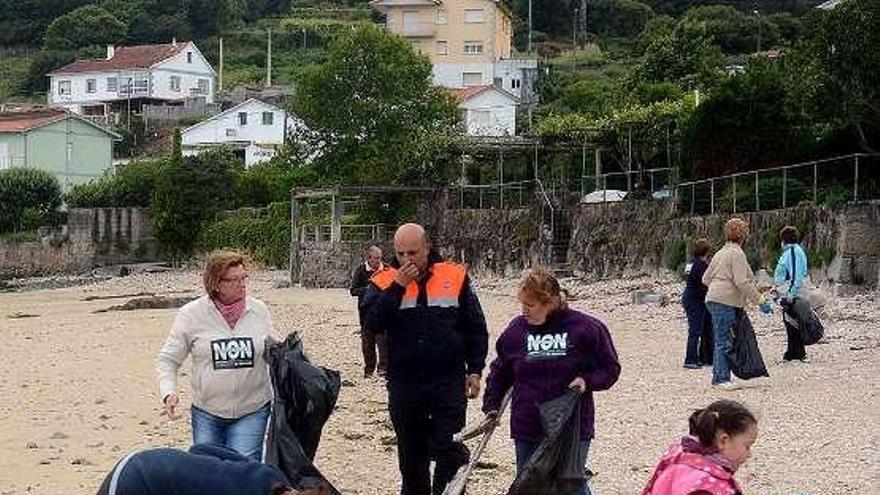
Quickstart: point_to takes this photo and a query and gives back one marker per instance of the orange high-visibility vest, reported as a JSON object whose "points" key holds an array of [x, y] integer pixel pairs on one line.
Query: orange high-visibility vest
{"points": [[442, 289]]}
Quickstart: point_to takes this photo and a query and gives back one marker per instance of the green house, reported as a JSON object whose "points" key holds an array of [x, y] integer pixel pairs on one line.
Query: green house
{"points": [[65, 144]]}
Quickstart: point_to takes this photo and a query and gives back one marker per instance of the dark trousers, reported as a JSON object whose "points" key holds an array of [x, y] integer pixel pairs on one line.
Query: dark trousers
{"points": [[795, 347], [374, 361], [425, 414], [699, 339]]}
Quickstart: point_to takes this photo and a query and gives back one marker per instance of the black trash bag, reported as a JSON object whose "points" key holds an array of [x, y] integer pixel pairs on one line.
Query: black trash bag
{"points": [[744, 355], [799, 314], [555, 466], [305, 395], [707, 341]]}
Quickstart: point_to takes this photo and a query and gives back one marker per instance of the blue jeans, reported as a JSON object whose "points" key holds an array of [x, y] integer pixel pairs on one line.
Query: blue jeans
{"points": [[525, 449], [723, 318], [695, 309], [244, 435]]}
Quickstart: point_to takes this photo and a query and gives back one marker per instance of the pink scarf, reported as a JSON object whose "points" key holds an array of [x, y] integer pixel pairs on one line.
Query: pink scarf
{"points": [[231, 312]]}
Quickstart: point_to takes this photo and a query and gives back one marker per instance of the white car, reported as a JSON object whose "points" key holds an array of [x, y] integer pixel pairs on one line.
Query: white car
{"points": [[604, 196]]}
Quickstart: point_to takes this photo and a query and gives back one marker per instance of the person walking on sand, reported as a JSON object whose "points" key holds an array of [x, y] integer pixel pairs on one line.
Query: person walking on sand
{"points": [[693, 299], [704, 463], [791, 270], [547, 350], [226, 332], [437, 344], [731, 284], [370, 341]]}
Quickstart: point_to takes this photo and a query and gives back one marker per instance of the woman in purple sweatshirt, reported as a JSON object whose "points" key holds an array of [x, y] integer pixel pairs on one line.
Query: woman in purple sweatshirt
{"points": [[544, 352]]}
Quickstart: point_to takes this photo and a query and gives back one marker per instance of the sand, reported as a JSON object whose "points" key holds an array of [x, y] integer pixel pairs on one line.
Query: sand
{"points": [[79, 390]]}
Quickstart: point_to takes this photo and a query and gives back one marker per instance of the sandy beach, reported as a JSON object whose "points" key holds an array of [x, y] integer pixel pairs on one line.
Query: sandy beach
{"points": [[79, 389]]}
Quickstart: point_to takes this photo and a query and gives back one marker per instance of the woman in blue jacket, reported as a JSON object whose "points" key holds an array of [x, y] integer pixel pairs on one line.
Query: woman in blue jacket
{"points": [[791, 271], [544, 352]]}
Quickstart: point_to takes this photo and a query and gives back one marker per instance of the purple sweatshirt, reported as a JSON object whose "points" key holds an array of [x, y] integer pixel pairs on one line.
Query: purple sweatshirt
{"points": [[539, 362]]}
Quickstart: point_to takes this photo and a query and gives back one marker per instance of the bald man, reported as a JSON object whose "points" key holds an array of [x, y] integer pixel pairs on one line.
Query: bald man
{"points": [[437, 343]]}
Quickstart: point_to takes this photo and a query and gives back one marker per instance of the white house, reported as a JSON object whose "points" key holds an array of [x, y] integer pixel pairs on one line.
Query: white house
{"points": [[131, 76], [254, 127], [487, 110]]}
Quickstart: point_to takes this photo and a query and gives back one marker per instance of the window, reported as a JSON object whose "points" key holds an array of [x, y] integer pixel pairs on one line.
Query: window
{"points": [[111, 84], [64, 88], [91, 85], [481, 118], [473, 47], [473, 16], [442, 47], [203, 86], [189, 57], [242, 118], [472, 79], [268, 118], [230, 132], [498, 82], [141, 85], [515, 84], [441, 16], [175, 83]]}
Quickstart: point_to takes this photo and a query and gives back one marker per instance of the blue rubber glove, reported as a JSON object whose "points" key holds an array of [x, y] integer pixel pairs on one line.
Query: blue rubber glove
{"points": [[766, 308]]}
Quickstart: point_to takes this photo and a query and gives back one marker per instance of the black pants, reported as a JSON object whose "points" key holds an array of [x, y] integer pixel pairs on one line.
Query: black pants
{"points": [[374, 361], [795, 348], [425, 414]]}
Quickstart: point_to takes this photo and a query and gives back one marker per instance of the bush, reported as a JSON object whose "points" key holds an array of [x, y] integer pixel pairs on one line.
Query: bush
{"points": [[131, 184], [265, 239], [675, 254], [27, 189], [189, 192]]}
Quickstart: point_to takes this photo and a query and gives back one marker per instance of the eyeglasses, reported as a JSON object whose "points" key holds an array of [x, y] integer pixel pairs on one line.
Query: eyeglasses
{"points": [[235, 280]]}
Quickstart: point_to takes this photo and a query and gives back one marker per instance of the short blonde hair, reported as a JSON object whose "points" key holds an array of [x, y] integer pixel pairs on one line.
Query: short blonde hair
{"points": [[541, 285], [218, 263], [736, 230]]}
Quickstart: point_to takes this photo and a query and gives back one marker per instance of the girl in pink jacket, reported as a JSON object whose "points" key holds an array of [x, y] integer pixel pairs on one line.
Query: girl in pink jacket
{"points": [[720, 441]]}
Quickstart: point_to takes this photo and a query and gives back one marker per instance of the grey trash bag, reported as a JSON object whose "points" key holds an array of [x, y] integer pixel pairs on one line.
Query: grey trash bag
{"points": [[801, 315], [744, 355], [555, 467], [305, 396]]}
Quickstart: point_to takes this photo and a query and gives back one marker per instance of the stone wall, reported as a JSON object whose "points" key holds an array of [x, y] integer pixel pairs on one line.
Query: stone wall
{"points": [[92, 237], [327, 264], [640, 237]]}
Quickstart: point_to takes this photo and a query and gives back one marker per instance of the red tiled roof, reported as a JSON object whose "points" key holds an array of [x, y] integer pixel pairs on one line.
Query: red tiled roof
{"points": [[464, 94], [22, 121], [126, 57]]}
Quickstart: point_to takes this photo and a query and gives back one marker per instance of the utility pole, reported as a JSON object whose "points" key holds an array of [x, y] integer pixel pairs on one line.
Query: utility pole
{"points": [[530, 26], [269, 60], [220, 79]]}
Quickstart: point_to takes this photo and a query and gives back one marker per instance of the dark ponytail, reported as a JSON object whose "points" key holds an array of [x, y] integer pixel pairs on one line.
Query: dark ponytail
{"points": [[724, 415]]}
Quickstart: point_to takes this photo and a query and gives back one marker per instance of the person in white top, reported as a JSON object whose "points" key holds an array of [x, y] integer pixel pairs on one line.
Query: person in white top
{"points": [[226, 332]]}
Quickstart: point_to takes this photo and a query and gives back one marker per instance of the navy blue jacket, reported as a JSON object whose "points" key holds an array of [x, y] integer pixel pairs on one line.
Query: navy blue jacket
{"points": [[205, 469], [429, 337], [694, 288]]}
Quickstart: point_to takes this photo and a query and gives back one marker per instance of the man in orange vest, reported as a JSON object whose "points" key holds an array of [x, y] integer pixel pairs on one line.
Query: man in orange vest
{"points": [[437, 343]]}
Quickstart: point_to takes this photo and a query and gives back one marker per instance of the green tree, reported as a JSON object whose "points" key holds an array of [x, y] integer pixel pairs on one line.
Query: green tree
{"points": [[189, 192], [372, 112], [620, 18], [27, 197], [85, 26], [732, 30], [687, 57]]}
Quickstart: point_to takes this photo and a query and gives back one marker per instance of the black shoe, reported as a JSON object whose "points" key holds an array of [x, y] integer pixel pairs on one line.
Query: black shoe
{"points": [[693, 366]]}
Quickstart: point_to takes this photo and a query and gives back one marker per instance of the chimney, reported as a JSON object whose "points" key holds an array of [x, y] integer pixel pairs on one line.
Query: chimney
{"points": [[111, 51]]}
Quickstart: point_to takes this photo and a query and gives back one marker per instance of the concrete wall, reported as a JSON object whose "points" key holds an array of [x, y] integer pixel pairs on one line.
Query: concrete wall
{"points": [[631, 237], [92, 238]]}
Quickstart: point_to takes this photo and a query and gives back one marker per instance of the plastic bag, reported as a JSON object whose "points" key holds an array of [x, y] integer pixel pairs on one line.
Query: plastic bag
{"points": [[801, 315], [555, 467], [305, 395], [744, 355]]}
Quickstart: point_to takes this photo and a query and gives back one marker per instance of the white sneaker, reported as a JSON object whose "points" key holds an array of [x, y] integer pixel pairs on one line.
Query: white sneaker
{"points": [[727, 386]]}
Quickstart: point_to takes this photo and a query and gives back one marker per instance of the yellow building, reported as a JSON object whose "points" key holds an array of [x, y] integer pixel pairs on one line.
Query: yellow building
{"points": [[468, 41]]}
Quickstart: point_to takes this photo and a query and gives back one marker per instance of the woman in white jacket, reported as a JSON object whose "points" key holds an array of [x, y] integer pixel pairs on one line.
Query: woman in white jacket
{"points": [[226, 333]]}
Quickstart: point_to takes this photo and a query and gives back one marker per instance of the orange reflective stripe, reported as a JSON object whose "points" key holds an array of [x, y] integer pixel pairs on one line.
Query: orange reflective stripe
{"points": [[384, 278], [410, 297]]}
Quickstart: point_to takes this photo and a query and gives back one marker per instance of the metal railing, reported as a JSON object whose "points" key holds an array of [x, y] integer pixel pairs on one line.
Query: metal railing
{"points": [[830, 181], [517, 194], [656, 180]]}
